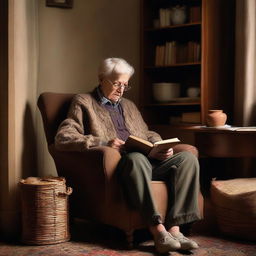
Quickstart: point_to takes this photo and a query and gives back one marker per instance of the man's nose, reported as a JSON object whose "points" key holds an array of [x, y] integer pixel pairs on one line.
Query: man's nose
{"points": [[121, 87]]}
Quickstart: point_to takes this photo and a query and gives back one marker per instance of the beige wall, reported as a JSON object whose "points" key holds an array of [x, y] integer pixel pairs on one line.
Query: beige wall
{"points": [[53, 49], [72, 42], [21, 110]]}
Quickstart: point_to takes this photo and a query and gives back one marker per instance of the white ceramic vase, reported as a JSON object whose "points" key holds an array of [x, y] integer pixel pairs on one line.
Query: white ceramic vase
{"points": [[193, 92], [178, 15], [164, 92]]}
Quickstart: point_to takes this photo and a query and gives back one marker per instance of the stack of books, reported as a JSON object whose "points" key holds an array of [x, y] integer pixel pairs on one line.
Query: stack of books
{"points": [[164, 17], [173, 52]]}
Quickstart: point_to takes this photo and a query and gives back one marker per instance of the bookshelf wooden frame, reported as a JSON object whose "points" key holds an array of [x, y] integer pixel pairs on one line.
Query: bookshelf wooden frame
{"points": [[215, 71]]}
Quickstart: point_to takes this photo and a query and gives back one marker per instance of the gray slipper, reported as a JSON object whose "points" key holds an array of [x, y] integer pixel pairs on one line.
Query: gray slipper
{"points": [[165, 242], [186, 244]]}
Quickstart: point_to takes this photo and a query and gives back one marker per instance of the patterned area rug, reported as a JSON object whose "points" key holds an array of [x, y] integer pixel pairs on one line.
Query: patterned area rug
{"points": [[88, 240], [209, 246]]}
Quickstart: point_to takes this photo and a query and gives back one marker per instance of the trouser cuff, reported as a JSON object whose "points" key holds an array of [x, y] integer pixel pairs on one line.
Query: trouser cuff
{"points": [[156, 219], [183, 219]]}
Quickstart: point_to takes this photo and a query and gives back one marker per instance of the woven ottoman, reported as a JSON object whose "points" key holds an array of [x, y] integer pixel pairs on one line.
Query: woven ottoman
{"points": [[234, 202]]}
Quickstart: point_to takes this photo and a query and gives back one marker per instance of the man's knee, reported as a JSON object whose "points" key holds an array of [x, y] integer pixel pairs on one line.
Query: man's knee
{"points": [[189, 158], [185, 147]]}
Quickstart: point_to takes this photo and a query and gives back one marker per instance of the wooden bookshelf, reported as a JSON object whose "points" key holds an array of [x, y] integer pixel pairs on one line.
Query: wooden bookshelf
{"points": [[212, 70]]}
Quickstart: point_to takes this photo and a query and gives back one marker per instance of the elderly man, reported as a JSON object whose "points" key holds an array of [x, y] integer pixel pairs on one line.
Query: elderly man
{"points": [[104, 117]]}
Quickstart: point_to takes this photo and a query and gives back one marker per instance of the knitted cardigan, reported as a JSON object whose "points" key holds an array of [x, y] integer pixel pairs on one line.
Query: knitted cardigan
{"points": [[89, 124]]}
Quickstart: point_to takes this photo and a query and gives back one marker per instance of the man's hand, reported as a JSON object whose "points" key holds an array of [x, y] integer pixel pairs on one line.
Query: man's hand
{"points": [[116, 143], [160, 155]]}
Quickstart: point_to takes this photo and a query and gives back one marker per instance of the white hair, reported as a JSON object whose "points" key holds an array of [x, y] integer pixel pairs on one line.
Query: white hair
{"points": [[117, 66]]}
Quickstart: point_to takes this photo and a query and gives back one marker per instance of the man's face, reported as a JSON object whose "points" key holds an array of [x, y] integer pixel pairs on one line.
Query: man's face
{"points": [[113, 86]]}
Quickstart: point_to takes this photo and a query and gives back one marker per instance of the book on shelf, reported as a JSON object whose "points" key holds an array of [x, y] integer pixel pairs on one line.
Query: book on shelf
{"points": [[181, 53], [136, 144], [173, 52], [165, 17], [194, 49], [195, 14], [160, 59], [165, 54], [157, 53]]}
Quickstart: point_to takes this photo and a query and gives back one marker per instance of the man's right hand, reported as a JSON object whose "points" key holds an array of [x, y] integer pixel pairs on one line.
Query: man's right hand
{"points": [[160, 155], [116, 143]]}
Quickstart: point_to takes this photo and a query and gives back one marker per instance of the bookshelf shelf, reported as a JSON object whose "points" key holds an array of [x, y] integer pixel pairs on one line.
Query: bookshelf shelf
{"points": [[187, 25], [174, 65], [173, 104], [198, 53]]}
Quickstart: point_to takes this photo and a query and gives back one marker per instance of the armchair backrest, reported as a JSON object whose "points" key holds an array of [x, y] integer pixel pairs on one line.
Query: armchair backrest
{"points": [[54, 108]]}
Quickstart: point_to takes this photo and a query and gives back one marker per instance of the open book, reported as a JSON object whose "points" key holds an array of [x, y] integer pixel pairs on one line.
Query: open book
{"points": [[135, 144]]}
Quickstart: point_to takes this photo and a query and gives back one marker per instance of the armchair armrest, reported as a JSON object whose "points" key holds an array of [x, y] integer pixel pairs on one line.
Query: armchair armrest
{"points": [[100, 161], [89, 173]]}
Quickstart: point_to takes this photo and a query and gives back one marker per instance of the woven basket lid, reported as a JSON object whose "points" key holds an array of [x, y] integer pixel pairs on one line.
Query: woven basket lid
{"points": [[236, 186], [43, 181]]}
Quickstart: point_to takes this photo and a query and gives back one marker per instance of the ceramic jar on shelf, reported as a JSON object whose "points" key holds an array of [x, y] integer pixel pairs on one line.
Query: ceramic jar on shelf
{"points": [[164, 92], [193, 92], [215, 118], [178, 15]]}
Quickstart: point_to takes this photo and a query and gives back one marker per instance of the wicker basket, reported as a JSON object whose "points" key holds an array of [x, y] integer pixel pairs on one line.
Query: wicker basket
{"points": [[45, 210]]}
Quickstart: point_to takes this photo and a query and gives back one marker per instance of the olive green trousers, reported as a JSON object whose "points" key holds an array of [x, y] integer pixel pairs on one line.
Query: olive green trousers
{"points": [[181, 174]]}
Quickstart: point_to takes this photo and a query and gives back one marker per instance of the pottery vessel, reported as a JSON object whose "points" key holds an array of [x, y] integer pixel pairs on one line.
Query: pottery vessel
{"points": [[164, 92], [193, 92], [216, 118], [178, 15]]}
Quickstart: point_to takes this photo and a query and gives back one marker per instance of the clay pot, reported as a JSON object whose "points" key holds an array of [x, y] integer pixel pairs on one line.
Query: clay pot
{"points": [[178, 15], [216, 118]]}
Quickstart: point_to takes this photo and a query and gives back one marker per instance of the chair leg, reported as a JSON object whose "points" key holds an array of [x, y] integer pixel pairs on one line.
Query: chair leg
{"points": [[129, 238]]}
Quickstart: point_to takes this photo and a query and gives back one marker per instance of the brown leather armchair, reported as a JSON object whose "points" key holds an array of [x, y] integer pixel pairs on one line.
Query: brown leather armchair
{"points": [[96, 192]]}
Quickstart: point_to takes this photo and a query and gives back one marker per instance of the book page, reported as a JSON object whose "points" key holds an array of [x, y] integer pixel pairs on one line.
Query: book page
{"points": [[172, 140], [164, 145], [135, 144]]}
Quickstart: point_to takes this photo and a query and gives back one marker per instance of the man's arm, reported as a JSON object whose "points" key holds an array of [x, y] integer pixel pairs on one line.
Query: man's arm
{"points": [[70, 135]]}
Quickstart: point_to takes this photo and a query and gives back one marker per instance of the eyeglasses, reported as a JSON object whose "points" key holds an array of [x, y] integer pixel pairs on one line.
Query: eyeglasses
{"points": [[119, 85]]}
